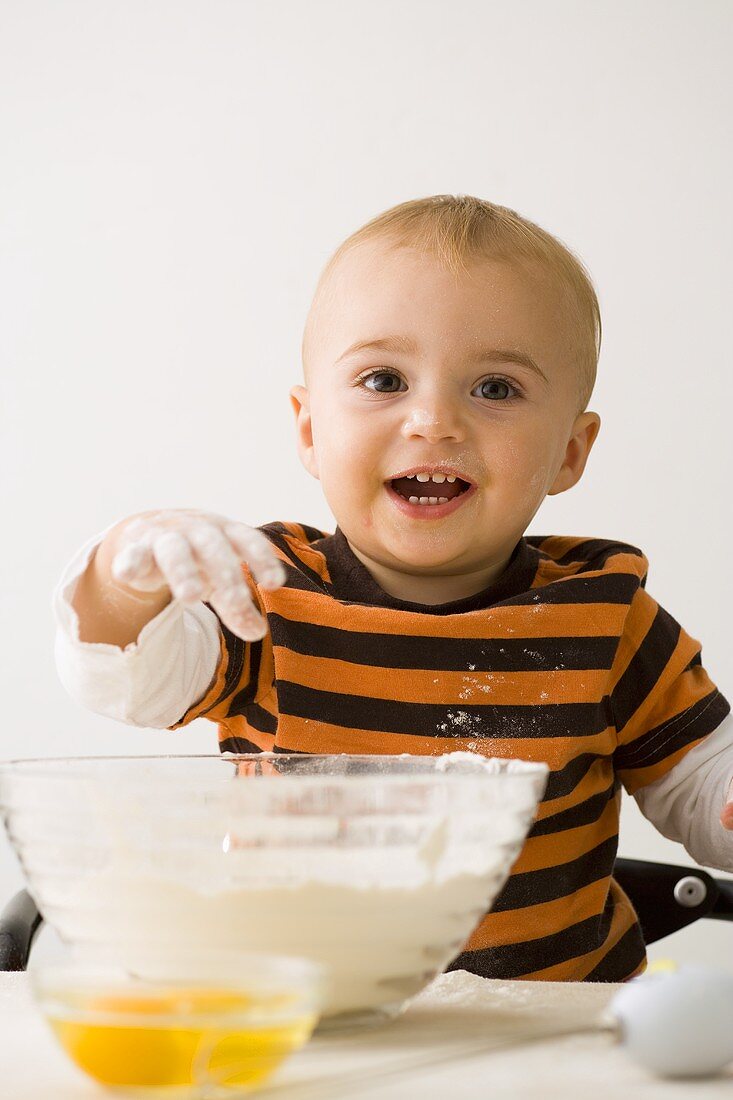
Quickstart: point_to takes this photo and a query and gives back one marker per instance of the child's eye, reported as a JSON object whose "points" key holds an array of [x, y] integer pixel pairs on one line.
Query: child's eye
{"points": [[390, 375], [493, 389], [497, 389]]}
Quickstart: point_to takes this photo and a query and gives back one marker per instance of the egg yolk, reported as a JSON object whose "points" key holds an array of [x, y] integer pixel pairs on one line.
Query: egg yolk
{"points": [[189, 1037]]}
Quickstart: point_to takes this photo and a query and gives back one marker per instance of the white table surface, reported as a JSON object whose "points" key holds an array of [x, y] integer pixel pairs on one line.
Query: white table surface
{"points": [[464, 1037]]}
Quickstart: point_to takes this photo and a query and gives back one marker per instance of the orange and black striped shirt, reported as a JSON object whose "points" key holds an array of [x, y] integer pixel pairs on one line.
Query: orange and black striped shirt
{"points": [[565, 658]]}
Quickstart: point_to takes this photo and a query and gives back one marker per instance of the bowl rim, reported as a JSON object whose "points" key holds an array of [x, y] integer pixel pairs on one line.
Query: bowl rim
{"points": [[64, 989], [264, 969], [482, 775], [515, 769]]}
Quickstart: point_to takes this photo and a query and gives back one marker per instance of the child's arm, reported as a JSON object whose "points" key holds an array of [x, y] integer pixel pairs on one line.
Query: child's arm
{"points": [[674, 749], [692, 801], [157, 677]]}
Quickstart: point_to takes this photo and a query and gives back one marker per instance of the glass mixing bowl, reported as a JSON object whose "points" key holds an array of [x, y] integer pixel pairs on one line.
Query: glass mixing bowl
{"points": [[377, 867]]}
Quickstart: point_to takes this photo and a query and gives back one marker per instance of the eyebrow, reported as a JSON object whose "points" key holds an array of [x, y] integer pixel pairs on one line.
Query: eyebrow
{"points": [[403, 344]]}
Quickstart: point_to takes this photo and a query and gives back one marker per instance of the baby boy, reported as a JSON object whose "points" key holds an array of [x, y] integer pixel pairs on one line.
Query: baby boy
{"points": [[449, 357]]}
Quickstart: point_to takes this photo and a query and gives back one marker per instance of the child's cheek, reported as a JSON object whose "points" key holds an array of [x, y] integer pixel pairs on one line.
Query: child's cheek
{"points": [[535, 488]]}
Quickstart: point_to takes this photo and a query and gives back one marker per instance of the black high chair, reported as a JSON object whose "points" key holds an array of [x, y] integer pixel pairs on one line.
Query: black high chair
{"points": [[665, 896]]}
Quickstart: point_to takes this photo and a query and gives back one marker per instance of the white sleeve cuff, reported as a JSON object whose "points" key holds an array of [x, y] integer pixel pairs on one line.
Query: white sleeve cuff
{"points": [[685, 804], [153, 681]]}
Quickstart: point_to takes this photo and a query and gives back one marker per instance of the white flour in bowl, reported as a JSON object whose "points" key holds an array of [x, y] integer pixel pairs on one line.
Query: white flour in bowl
{"points": [[380, 944]]}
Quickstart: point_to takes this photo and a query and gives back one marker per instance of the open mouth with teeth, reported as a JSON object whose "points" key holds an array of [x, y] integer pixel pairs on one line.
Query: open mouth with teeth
{"points": [[429, 488]]}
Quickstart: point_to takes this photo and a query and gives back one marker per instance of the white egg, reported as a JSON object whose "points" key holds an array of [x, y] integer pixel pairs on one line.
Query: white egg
{"points": [[678, 1024]]}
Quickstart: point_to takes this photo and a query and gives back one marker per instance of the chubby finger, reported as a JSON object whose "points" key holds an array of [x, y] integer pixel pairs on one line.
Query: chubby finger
{"points": [[214, 556], [230, 597], [257, 550], [241, 617], [175, 561], [134, 562]]}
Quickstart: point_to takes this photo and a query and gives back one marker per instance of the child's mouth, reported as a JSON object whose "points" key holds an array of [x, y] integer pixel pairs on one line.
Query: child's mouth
{"points": [[428, 499]]}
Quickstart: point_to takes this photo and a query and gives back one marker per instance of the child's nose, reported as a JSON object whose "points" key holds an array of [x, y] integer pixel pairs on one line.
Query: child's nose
{"points": [[434, 421]]}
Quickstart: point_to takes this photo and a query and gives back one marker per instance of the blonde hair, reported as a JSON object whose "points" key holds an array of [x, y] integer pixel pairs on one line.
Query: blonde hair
{"points": [[461, 228]]}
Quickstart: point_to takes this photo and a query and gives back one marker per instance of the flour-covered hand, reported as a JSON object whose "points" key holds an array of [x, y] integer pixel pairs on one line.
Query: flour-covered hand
{"points": [[198, 556]]}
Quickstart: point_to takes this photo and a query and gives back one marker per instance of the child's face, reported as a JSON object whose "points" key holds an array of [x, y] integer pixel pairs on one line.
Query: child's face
{"points": [[516, 442]]}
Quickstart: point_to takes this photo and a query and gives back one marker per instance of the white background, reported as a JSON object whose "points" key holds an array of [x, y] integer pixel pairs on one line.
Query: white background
{"points": [[175, 175]]}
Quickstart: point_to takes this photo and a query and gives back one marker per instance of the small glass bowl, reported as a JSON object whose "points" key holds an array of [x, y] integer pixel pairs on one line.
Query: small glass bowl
{"points": [[218, 1027]]}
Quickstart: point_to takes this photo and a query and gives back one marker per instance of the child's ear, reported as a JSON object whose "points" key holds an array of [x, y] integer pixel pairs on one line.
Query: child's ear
{"points": [[300, 400], [585, 431]]}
